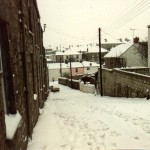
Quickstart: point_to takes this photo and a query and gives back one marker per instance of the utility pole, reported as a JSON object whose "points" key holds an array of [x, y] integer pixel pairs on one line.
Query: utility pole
{"points": [[100, 63], [132, 32], [71, 72], [60, 67]]}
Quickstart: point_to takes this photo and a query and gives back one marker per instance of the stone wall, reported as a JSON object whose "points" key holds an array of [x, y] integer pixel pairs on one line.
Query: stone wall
{"points": [[121, 83], [67, 82], [74, 84], [24, 68], [2, 122], [63, 81]]}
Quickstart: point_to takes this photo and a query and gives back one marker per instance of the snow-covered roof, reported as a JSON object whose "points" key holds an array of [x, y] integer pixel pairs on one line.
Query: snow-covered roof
{"points": [[71, 52], [87, 64], [64, 65], [59, 53], [95, 49], [118, 50], [78, 49], [67, 52], [48, 59]]}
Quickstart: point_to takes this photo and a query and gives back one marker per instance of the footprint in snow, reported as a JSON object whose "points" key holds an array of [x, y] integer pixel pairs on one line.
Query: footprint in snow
{"points": [[102, 136], [114, 133], [105, 128], [45, 147], [114, 144], [137, 138]]}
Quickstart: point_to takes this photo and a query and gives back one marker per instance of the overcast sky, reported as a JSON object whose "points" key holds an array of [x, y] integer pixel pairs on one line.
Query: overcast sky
{"points": [[77, 21]]}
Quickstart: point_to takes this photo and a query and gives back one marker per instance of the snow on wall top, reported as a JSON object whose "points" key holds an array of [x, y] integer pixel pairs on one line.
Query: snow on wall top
{"points": [[118, 50], [12, 122]]}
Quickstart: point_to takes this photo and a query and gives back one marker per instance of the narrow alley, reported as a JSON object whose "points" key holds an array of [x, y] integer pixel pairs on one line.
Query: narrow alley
{"points": [[73, 120]]}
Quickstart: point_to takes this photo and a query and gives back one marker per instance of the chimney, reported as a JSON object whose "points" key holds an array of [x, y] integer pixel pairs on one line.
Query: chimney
{"points": [[87, 50], [148, 45], [136, 40]]}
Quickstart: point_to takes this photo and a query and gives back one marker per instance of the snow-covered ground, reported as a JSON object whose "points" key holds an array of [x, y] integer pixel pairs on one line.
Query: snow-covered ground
{"points": [[73, 120]]}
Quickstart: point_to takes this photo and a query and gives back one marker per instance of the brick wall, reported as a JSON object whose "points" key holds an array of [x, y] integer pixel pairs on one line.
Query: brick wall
{"points": [[121, 83]]}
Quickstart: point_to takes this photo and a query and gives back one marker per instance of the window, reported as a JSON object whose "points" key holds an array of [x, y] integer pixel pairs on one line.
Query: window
{"points": [[76, 69], [6, 71]]}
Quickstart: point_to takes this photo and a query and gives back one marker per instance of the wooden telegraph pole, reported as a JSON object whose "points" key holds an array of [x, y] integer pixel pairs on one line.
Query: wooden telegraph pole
{"points": [[100, 63], [71, 72], [60, 67]]}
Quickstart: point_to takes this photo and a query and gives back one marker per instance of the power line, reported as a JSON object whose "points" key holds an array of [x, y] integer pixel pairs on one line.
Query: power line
{"points": [[125, 13], [67, 35], [106, 33], [127, 19]]}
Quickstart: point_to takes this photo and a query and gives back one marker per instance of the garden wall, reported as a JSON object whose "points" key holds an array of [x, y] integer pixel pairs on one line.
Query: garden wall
{"points": [[76, 84], [67, 82], [122, 83]]}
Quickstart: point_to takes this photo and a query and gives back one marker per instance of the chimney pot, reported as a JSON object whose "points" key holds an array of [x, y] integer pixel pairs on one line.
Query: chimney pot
{"points": [[136, 40]]}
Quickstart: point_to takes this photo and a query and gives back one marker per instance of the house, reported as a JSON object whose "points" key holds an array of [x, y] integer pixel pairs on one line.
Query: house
{"points": [[50, 55], [23, 72], [64, 56], [92, 53], [90, 67], [57, 70], [127, 55]]}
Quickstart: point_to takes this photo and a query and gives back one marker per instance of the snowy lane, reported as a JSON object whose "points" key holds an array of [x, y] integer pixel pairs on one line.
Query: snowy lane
{"points": [[72, 120]]}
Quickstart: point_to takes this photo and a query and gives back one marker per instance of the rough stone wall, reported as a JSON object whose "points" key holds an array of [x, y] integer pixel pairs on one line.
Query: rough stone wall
{"points": [[75, 84], [121, 83], [28, 68], [63, 81], [67, 82]]}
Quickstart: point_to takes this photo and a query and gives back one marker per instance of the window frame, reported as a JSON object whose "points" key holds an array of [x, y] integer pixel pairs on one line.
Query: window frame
{"points": [[7, 85]]}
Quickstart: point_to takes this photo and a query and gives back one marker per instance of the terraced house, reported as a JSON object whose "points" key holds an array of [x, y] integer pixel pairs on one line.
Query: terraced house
{"points": [[23, 72]]}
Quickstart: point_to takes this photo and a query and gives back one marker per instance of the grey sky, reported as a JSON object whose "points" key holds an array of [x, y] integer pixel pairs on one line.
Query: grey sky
{"points": [[77, 21]]}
